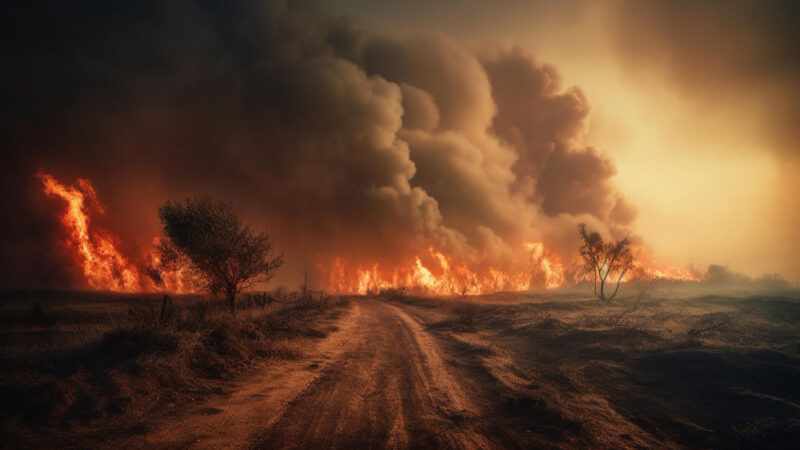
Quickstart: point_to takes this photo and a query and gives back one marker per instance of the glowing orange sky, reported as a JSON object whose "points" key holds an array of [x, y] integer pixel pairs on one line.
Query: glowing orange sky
{"points": [[711, 182]]}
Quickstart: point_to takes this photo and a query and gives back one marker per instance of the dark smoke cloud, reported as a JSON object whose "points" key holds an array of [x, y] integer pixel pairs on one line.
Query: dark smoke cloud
{"points": [[719, 51], [544, 123], [339, 142]]}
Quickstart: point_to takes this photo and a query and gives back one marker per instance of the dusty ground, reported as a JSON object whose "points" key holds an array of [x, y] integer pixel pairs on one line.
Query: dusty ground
{"points": [[515, 371], [435, 373], [379, 381]]}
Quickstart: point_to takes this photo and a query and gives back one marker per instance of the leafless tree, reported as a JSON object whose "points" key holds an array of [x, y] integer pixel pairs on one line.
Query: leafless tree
{"points": [[213, 240], [605, 260]]}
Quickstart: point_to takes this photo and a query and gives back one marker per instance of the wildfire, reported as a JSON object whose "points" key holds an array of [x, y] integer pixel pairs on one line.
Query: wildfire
{"points": [[550, 267], [446, 276], [104, 267], [434, 273], [443, 275], [646, 268]]}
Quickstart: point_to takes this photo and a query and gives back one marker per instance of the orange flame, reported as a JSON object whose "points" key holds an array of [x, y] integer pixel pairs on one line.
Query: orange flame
{"points": [[646, 268], [104, 267], [180, 280], [446, 276], [550, 266]]}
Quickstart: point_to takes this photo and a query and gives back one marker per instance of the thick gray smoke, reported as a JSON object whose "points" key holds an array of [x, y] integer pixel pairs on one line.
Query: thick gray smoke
{"points": [[339, 142]]}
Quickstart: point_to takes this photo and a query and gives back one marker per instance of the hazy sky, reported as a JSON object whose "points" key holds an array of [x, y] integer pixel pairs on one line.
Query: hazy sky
{"points": [[372, 132], [695, 102]]}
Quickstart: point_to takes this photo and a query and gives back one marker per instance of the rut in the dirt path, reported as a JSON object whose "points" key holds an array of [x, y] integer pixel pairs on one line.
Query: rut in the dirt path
{"points": [[387, 390]]}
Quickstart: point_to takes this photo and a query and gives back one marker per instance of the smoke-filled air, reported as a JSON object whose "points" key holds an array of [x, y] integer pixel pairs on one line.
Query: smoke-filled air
{"points": [[463, 224], [375, 160]]}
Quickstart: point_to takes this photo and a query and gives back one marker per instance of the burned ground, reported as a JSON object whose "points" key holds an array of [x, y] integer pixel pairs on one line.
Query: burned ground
{"points": [[695, 372]]}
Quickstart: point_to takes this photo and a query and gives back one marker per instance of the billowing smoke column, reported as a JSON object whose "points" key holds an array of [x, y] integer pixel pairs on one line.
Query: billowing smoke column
{"points": [[373, 161]]}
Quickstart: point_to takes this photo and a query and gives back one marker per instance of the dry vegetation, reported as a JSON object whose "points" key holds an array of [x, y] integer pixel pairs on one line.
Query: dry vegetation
{"points": [[541, 370], [73, 361], [647, 371]]}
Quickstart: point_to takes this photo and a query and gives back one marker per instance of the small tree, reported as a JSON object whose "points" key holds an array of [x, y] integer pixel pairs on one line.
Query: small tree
{"points": [[211, 238], [605, 260]]}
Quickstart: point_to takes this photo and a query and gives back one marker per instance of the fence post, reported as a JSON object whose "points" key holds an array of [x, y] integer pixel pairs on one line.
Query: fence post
{"points": [[165, 303]]}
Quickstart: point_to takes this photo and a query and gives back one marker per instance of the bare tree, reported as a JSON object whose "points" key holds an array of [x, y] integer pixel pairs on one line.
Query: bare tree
{"points": [[605, 260], [211, 238]]}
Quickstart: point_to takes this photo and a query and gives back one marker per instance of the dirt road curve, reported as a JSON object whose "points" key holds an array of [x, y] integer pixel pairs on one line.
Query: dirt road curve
{"points": [[379, 382], [388, 389]]}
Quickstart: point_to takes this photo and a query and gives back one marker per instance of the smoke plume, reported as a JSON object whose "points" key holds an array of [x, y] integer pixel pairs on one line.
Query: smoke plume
{"points": [[346, 146]]}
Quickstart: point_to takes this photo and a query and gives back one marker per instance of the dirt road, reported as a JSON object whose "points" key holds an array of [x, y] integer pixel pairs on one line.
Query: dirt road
{"points": [[501, 371], [378, 382], [434, 373]]}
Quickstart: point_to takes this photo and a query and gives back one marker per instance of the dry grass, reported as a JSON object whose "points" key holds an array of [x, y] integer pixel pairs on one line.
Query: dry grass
{"points": [[461, 315], [72, 359]]}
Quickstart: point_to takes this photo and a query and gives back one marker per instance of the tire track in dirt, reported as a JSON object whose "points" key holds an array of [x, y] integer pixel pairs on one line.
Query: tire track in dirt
{"points": [[390, 388]]}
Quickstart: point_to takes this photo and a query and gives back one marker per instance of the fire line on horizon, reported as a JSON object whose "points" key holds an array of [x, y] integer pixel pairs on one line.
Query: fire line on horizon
{"points": [[105, 268]]}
